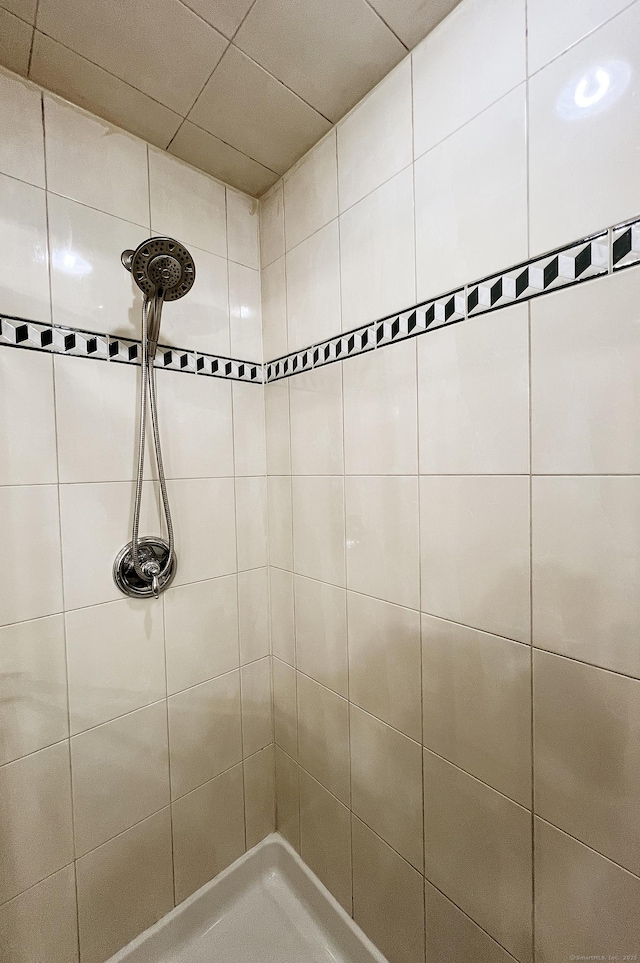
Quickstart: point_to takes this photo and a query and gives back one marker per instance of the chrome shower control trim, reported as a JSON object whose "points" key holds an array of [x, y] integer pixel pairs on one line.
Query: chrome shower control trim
{"points": [[153, 553]]}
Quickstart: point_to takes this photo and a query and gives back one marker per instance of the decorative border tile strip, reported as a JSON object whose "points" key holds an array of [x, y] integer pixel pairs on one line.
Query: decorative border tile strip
{"points": [[37, 336], [593, 256]]}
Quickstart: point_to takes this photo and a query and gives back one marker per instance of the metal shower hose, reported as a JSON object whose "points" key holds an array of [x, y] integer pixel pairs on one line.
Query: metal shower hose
{"points": [[151, 313]]}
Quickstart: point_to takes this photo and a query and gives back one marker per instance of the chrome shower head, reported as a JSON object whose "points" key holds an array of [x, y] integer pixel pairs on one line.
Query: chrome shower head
{"points": [[161, 266]]}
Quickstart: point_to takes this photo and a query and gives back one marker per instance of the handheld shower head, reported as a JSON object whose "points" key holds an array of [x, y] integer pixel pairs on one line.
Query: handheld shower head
{"points": [[161, 267]]}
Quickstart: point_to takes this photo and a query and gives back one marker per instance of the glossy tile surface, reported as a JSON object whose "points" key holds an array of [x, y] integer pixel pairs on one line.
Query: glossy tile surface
{"points": [[321, 633], [583, 901], [253, 614], [21, 154], [471, 199], [387, 897], [385, 662], [375, 140], [285, 714], [383, 560], [28, 441], [590, 95], [23, 251], [318, 528], [256, 706], [586, 569], [380, 412], [120, 775], [205, 732], [323, 736], [313, 288], [475, 551], [478, 852], [311, 192], [283, 644], [489, 41], [115, 657], [386, 786], [477, 704], [587, 723], [473, 395], [550, 35], [42, 922], [325, 838], [452, 936], [260, 795], [316, 417]]}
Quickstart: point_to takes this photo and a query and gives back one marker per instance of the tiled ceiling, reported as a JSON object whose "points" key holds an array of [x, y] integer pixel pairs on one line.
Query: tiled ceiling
{"points": [[239, 88]]}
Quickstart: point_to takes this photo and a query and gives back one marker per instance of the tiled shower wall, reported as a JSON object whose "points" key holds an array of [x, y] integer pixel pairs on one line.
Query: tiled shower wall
{"points": [[455, 519], [136, 756]]}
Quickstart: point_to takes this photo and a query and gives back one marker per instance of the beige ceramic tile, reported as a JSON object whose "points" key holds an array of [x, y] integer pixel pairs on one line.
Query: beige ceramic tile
{"points": [[201, 149], [260, 795], [585, 904], [316, 421], [115, 657], [477, 704], [134, 45], [323, 736], [187, 204], [94, 417], [381, 412], [452, 936], [274, 309], [249, 109], [411, 20], [23, 251], [586, 569], [287, 798], [377, 256], [256, 706], [15, 42], [22, 148], [318, 528], [489, 40], [584, 389], [33, 686], [386, 789], [61, 70], [245, 316], [382, 537], [205, 541], [375, 140], [25, 9], [225, 15], [358, 49], [384, 662], [280, 521], [253, 614], [325, 838], [583, 109], [473, 398], [587, 729], [549, 35], [251, 522], [124, 886], [201, 631], [30, 539], [208, 831], [311, 192], [120, 775], [42, 924], [313, 288], [278, 440], [91, 162], [471, 199], [478, 852], [101, 516], [242, 229], [283, 643], [249, 442], [28, 442], [475, 551], [387, 897], [205, 732], [321, 633], [284, 707], [36, 836], [89, 286], [272, 225]]}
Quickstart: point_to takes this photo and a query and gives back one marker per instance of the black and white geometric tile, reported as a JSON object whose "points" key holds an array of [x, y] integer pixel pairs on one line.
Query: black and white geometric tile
{"points": [[591, 257]]}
